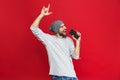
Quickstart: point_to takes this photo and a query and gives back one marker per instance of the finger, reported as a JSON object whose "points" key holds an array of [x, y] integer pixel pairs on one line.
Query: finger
{"points": [[43, 7], [73, 37], [48, 6], [49, 13]]}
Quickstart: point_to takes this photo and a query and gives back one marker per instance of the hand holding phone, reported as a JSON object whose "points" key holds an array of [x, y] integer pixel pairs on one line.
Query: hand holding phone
{"points": [[74, 33]]}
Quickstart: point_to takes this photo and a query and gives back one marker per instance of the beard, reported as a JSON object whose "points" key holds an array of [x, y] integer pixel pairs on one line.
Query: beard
{"points": [[63, 35]]}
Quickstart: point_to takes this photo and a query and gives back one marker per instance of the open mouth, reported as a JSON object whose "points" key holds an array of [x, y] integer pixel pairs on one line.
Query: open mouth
{"points": [[64, 31]]}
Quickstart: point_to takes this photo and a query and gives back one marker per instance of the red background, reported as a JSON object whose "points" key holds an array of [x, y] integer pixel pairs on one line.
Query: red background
{"points": [[23, 57]]}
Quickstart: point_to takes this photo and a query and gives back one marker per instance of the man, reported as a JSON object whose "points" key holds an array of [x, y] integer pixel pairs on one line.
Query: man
{"points": [[60, 48]]}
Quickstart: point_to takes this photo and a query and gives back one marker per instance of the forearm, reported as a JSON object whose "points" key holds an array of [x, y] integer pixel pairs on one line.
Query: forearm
{"points": [[77, 47], [37, 20]]}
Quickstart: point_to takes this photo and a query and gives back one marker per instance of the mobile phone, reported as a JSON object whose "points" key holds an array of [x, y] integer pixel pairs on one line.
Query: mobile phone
{"points": [[74, 33]]}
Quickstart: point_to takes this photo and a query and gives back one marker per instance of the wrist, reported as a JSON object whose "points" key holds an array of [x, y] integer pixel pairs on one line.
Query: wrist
{"points": [[42, 15], [78, 40]]}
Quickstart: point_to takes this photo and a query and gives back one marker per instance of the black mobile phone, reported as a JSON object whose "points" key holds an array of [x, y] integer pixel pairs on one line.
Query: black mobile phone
{"points": [[74, 33]]}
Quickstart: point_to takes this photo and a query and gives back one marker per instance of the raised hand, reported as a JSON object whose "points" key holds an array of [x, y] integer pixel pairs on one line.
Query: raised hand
{"points": [[78, 38], [45, 11]]}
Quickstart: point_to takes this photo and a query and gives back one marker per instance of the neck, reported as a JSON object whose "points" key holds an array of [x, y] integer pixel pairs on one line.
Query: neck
{"points": [[59, 36]]}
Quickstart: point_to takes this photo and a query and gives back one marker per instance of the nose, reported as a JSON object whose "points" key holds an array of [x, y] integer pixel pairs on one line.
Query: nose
{"points": [[65, 27]]}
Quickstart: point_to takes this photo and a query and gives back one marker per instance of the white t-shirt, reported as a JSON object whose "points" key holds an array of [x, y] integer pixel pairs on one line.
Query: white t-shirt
{"points": [[60, 53]]}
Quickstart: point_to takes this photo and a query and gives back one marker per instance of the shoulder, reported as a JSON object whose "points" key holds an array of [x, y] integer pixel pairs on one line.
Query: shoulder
{"points": [[69, 39]]}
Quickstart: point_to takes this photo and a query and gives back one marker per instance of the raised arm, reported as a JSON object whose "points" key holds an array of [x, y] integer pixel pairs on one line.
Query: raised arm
{"points": [[35, 25], [77, 47], [75, 50], [44, 12]]}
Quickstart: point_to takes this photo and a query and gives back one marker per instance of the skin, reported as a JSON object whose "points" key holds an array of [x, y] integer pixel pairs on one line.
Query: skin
{"points": [[62, 29]]}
